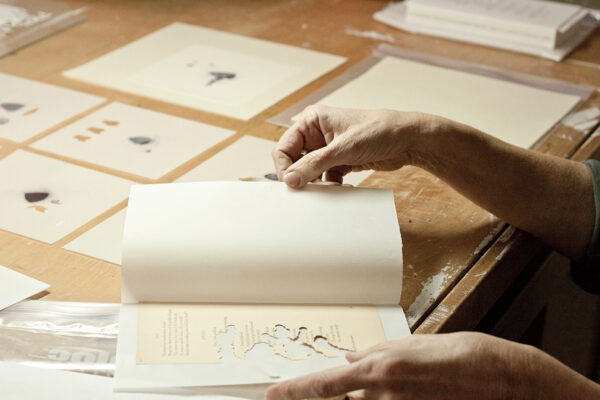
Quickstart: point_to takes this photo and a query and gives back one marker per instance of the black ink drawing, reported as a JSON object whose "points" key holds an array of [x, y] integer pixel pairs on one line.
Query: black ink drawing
{"points": [[11, 106], [141, 140], [34, 197], [218, 76], [272, 176]]}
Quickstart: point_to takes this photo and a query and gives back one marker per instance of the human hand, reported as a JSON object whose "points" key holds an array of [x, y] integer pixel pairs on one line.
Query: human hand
{"points": [[464, 365], [336, 141]]}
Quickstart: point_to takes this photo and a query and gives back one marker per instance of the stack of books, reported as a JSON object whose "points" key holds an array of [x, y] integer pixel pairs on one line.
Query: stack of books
{"points": [[543, 28]]}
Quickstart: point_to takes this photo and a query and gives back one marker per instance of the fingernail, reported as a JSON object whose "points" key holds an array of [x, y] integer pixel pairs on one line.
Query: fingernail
{"points": [[293, 179]]}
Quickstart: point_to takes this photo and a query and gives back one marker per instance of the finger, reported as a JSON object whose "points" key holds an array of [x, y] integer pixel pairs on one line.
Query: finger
{"points": [[337, 174], [288, 149], [312, 165], [357, 394], [323, 384], [354, 356]]}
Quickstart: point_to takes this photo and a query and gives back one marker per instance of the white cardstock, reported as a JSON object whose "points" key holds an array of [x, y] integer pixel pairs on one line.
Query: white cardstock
{"points": [[15, 287], [45, 199], [104, 241], [28, 108], [515, 113], [247, 159], [131, 139], [207, 69]]}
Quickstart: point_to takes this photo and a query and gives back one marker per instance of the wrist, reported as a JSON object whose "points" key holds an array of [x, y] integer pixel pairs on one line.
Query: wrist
{"points": [[426, 142]]}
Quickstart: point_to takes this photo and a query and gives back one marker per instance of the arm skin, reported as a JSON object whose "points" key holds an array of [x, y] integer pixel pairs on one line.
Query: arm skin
{"points": [[547, 196]]}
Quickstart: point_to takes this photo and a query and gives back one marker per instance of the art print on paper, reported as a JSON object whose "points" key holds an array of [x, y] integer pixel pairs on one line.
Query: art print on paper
{"points": [[134, 140], [216, 74], [45, 199], [28, 108]]}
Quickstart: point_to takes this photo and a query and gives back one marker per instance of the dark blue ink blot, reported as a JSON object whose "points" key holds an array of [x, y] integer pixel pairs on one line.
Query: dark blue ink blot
{"points": [[11, 106]]}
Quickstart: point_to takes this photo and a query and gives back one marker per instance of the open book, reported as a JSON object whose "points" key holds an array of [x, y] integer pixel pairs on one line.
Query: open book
{"points": [[236, 285]]}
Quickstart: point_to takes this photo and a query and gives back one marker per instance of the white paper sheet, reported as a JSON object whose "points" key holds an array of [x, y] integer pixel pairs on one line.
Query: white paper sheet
{"points": [[45, 199], [28, 108], [132, 139], [22, 382], [275, 237], [178, 64], [15, 287], [104, 241], [515, 113], [247, 159]]}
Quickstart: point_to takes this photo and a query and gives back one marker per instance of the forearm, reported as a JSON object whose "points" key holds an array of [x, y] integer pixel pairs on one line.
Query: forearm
{"points": [[550, 197]]}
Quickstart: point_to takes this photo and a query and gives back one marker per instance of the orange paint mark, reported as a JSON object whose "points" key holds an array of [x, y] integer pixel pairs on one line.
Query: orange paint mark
{"points": [[97, 131], [111, 123], [82, 138], [41, 209], [31, 111], [247, 179]]}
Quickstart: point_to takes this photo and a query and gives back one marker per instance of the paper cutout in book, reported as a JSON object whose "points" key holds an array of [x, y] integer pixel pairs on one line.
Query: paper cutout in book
{"points": [[193, 333]]}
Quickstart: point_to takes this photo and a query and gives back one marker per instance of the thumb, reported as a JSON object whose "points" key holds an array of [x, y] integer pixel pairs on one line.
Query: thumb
{"points": [[312, 166]]}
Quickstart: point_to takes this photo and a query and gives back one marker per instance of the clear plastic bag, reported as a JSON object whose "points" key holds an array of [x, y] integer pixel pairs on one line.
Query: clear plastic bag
{"points": [[23, 22], [63, 335]]}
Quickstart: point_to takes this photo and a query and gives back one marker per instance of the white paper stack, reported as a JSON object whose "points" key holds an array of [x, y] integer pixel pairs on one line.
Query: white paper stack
{"points": [[543, 28]]}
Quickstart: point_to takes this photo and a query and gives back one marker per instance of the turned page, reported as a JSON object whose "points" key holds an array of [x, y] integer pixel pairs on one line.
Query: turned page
{"points": [[261, 242]]}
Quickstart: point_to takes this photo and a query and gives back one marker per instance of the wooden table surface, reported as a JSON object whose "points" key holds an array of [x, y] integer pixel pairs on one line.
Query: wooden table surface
{"points": [[458, 258]]}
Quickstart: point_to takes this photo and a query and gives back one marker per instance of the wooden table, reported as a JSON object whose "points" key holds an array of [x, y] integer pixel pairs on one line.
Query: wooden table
{"points": [[459, 259]]}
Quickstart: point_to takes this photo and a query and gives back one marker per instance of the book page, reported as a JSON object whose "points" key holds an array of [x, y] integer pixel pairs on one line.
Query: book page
{"points": [[261, 242], [191, 333]]}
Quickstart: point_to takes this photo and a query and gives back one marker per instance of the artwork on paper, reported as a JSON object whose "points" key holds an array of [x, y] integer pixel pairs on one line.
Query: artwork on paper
{"points": [[104, 241], [134, 140], [248, 159], [217, 75], [45, 199], [28, 108], [206, 69]]}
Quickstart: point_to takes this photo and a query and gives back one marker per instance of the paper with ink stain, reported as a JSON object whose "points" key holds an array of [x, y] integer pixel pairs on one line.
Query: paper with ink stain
{"points": [[28, 108], [131, 139], [253, 75], [206, 69], [45, 199]]}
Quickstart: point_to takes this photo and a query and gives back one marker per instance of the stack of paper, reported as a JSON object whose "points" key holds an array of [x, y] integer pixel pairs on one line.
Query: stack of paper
{"points": [[538, 27]]}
